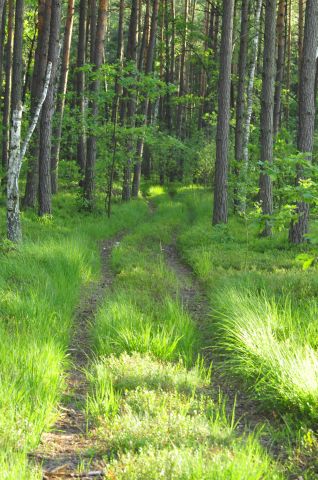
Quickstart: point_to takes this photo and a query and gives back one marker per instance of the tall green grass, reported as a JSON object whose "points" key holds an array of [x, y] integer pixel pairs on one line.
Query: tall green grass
{"points": [[143, 314], [40, 284], [264, 306], [149, 390]]}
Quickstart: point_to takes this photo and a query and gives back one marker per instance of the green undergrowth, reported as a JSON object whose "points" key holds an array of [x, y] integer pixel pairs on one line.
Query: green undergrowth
{"points": [[150, 393], [264, 314], [40, 283]]}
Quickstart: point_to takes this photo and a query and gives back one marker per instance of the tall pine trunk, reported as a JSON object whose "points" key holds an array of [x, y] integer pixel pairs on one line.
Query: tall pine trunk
{"points": [[97, 48], [267, 107], [7, 93], [38, 80], [45, 192], [220, 210], [57, 131], [306, 122], [240, 101], [131, 102], [80, 84], [144, 109], [249, 102], [280, 64]]}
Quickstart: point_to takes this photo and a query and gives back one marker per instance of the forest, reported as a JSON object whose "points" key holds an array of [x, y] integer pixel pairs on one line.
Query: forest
{"points": [[158, 239]]}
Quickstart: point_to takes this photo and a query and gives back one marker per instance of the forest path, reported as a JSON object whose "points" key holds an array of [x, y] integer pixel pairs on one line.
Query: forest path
{"points": [[68, 451], [195, 301]]}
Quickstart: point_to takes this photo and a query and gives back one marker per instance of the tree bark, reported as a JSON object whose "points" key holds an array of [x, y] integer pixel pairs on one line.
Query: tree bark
{"points": [[144, 38], [57, 131], [13, 201], [97, 51], [182, 73], [131, 102], [2, 43], [266, 118], [220, 211], [45, 191], [249, 101], [306, 122], [280, 65], [240, 101], [80, 86], [7, 93], [118, 91], [38, 80], [289, 41], [144, 110], [2, 9]]}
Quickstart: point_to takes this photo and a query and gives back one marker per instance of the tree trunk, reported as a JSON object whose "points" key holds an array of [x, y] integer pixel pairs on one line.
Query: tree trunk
{"points": [[80, 86], [131, 103], [118, 91], [148, 70], [97, 51], [144, 38], [28, 68], [38, 80], [222, 135], [249, 101], [289, 41], [57, 131], [168, 112], [45, 192], [306, 121], [266, 118], [240, 101], [280, 64], [182, 82], [2, 43], [7, 93], [13, 208]]}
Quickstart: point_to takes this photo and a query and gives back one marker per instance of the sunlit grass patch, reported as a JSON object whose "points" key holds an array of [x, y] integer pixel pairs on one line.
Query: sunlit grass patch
{"points": [[40, 284], [145, 408], [143, 314], [264, 306], [264, 345], [247, 463], [127, 372], [166, 332]]}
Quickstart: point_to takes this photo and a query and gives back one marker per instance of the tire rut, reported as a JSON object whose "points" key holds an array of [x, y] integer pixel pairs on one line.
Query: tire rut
{"points": [[69, 449], [195, 301]]}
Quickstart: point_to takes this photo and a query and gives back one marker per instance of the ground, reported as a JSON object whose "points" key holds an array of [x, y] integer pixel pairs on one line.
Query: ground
{"points": [[157, 374]]}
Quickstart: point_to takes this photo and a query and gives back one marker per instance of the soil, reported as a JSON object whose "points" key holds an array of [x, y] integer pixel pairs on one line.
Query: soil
{"points": [[69, 449]]}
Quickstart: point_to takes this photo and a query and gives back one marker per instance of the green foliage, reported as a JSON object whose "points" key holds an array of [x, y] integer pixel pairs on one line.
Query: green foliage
{"points": [[40, 285]]}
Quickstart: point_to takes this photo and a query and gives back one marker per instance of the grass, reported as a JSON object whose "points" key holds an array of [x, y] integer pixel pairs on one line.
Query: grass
{"points": [[264, 308], [40, 283], [263, 321], [155, 421], [150, 393], [142, 314]]}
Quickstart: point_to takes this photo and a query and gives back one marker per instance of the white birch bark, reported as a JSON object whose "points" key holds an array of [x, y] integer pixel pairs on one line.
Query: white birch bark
{"points": [[17, 154], [13, 208]]}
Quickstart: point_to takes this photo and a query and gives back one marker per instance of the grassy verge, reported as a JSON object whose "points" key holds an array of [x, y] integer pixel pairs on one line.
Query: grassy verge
{"points": [[264, 317], [40, 284], [149, 391]]}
